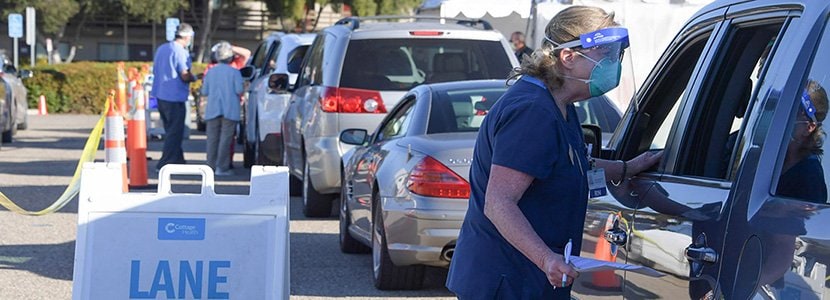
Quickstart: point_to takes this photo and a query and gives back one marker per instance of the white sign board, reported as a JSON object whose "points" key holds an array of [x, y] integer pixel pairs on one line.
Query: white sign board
{"points": [[30, 25], [171, 24], [15, 25], [181, 246]]}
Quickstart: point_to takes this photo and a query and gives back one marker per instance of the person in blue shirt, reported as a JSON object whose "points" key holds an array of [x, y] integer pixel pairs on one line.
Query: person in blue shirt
{"points": [[171, 86], [528, 180], [222, 86]]}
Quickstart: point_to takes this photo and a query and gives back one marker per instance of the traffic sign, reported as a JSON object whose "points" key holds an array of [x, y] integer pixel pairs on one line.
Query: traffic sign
{"points": [[15, 25], [175, 245], [172, 24]]}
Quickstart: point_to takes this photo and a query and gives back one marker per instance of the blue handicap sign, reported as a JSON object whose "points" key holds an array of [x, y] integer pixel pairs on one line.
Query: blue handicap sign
{"points": [[15, 25], [171, 25]]}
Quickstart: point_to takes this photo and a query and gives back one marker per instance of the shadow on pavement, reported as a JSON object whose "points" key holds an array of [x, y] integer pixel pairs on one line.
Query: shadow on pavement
{"points": [[52, 261]]}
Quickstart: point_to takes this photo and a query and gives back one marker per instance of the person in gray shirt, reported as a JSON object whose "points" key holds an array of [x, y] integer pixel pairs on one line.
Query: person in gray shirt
{"points": [[222, 86]]}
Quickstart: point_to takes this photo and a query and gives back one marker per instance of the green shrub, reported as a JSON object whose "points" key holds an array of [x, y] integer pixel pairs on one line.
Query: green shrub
{"points": [[79, 87]]}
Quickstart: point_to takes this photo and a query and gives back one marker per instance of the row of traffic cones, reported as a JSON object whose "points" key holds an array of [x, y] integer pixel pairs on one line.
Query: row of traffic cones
{"points": [[136, 139]]}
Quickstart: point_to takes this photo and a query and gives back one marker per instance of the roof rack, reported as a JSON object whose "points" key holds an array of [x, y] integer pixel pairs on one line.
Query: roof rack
{"points": [[355, 21]]}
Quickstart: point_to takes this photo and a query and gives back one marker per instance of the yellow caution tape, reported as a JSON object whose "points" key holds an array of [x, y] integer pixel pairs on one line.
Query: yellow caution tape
{"points": [[88, 155]]}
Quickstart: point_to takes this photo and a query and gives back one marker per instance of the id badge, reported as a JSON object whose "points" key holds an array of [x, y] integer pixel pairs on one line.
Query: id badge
{"points": [[596, 183]]}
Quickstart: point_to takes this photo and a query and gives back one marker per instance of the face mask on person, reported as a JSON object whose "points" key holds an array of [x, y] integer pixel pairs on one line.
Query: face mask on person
{"points": [[605, 75]]}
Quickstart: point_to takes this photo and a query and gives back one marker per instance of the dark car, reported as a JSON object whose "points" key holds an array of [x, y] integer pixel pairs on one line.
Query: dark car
{"points": [[13, 103], [738, 207]]}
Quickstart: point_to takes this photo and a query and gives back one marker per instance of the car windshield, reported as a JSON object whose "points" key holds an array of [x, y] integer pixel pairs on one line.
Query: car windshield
{"points": [[400, 64], [461, 110]]}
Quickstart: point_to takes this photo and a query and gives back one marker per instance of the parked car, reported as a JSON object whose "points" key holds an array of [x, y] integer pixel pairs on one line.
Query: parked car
{"points": [[357, 69], [268, 95], [737, 208], [405, 188], [13, 101]]}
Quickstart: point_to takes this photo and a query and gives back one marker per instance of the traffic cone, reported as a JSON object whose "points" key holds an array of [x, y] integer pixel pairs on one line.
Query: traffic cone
{"points": [[137, 140], [122, 88], [605, 280], [114, 140], [41, 106]]}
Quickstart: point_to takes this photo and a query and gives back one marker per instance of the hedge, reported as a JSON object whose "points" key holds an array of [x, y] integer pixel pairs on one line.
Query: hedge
{"points": [[79, 87]]}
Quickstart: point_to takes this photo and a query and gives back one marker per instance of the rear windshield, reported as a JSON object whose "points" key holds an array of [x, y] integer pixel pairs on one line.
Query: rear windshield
{"points": [[461, 110], [400, 64]]}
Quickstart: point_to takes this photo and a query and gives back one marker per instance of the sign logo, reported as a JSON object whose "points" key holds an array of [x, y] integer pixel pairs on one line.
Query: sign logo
{"points": [[181, 229]]}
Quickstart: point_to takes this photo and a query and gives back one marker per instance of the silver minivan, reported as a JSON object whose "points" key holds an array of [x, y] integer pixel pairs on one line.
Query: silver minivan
{"points": [[357, 70]]}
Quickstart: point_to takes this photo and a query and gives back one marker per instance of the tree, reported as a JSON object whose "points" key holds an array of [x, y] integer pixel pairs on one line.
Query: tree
{"points": [[297, 11], [51, 17]]}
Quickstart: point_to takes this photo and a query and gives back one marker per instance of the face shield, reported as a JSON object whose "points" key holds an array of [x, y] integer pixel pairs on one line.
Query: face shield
{"points": [[809, 108], [610, 42]]}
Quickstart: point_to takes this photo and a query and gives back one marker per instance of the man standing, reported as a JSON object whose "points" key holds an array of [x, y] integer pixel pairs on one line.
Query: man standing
{"points": [[519, 47], [171, 86]]}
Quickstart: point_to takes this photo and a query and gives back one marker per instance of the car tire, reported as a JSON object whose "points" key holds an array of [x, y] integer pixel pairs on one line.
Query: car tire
{"points": [[386, 275], [25, 124], [348, 244], [315, 204], [8, 134], [248, 153]]}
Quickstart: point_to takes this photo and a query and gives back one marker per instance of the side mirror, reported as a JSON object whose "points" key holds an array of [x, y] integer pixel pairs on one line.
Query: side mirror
{"points": [[247, 72], [278, 82], [354, 136], [26, 74], [593, 135]]}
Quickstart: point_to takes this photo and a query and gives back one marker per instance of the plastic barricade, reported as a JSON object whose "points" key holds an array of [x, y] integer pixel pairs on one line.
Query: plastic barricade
{"points": [[169, 245]]}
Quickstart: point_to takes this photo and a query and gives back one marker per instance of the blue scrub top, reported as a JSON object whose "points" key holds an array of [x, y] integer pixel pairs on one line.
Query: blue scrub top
{"points": [[170, 61], [524, 131]]}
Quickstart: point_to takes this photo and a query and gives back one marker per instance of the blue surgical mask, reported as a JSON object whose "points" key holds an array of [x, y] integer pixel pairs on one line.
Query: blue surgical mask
{"points": [[605, 75]]}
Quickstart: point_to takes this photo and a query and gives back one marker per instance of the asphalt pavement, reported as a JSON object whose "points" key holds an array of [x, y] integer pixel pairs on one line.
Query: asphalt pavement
{"points": [[37, 253]]}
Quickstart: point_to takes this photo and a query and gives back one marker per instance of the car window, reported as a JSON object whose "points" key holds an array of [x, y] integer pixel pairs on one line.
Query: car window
{"points": [[397, 124], [461, 110], [714, 121], [295, 58], [271, 58], [657, 110], [400, 64], [803, 170], [312, 65], [258, 59], [598, 111]]}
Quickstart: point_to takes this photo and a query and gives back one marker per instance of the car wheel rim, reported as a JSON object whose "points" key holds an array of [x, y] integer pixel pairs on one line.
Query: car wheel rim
{"points": [[376, 250]]}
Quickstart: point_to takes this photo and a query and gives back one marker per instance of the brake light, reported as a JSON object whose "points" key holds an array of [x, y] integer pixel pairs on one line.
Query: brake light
{"points": [[346, 100], [426, 33], [432, 178]]}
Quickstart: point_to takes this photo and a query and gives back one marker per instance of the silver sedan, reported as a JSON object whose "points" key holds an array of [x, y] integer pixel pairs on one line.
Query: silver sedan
{"points": [[405, 188]]}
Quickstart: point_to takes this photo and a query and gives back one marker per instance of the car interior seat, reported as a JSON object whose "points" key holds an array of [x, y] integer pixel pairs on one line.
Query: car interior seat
{"points": [[740, 111], [448, 67]]}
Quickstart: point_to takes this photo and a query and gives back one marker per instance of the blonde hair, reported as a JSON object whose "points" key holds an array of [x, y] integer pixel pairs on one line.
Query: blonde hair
{"points": [[566, 26]]}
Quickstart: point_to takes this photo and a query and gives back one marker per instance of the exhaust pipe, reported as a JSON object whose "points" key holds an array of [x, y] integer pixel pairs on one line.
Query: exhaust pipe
{"points": [[447, 253]]}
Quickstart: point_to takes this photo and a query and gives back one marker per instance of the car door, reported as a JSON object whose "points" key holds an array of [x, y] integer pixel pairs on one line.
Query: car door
{"points": [[779, 239], [310, 75], [369, 162], [259, 88], [680, 219]]}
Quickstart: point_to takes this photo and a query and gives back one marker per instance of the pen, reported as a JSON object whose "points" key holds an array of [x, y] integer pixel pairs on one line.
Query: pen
{"points": [[567, 255]]}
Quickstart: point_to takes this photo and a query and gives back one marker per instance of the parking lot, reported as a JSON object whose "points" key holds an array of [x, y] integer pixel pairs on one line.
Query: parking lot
{"points": [[36, 253]]}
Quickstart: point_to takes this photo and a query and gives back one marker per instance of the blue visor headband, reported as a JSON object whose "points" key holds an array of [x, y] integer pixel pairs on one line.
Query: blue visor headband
{"points": [[807, 104], [596, 38]]}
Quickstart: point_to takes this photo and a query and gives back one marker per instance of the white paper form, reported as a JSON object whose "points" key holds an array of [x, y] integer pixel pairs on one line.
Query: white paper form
{"points": [[583, 264]]}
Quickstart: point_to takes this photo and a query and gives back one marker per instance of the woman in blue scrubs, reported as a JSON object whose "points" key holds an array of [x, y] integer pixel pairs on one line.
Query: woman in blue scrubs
{"points": [[529, 185]]}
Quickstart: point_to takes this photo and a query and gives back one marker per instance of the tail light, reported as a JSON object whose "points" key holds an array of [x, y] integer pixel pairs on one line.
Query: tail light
{"points": [[432, 178], [346, 100]]}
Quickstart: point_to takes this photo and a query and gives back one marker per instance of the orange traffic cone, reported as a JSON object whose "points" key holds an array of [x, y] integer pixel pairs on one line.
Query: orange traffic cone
{"points": [[122, 88], [137, 140], [41, 106], [605, 280], [114, 140]]}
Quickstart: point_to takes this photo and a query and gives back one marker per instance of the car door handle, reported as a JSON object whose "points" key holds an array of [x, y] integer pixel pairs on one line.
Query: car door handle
{"points": [[616, 236], [704, 255]]}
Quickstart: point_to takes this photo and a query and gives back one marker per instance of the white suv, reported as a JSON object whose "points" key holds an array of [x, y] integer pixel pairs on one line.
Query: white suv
{"points": [[356, 71]]}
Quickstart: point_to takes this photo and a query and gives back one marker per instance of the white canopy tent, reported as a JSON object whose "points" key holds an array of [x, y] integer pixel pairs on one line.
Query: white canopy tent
{"points": [[652, 25]]}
